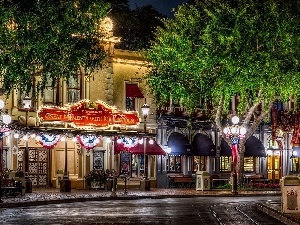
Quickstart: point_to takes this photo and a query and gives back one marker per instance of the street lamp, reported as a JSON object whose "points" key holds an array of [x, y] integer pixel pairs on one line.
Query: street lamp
{"points": [[27, 106], [145, 182], [28, 183], [6, 119], [145, 111], [235, 133]]}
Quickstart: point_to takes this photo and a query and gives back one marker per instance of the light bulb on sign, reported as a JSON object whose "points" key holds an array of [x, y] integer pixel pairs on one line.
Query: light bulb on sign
{"points": [[63, 139], [16, 135]]}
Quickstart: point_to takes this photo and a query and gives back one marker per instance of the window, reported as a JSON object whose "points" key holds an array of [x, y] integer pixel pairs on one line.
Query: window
{"points": [[225, 163], [201, 160], [174, 163], [295, 165], [50, 93], [137, 165], [132, 92], [74, 88], [249, 164], [130, 104]]}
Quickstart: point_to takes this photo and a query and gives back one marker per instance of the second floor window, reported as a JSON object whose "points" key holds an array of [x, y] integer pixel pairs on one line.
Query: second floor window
{"points": [[74, 88], [50, 94], [132, 92]]}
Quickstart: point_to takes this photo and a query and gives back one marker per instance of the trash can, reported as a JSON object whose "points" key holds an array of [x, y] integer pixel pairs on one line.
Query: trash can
{"points": [[59, 177], [202, 181], [290, 191]]}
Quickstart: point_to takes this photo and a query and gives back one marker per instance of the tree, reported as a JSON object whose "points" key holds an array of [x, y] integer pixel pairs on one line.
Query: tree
{"points": [[135, 27], [216, 49], [49, 39]]}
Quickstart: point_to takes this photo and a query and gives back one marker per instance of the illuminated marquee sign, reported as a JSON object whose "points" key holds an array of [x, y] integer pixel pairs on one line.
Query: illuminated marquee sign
{"points": [[88, 113]]}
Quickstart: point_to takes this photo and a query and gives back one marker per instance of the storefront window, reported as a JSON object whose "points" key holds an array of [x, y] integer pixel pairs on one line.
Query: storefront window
{"points": [[295, 165], [174, 164], [225, 163], [137, 165], [248, 164], [197, 160]]}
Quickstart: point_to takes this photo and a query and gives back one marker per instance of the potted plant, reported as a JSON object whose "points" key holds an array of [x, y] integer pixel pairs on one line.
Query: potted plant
{"points": [[96, 179]]}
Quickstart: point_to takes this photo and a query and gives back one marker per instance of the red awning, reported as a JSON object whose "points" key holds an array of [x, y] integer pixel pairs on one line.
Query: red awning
{"points": [[138, 149], [133, 91]]}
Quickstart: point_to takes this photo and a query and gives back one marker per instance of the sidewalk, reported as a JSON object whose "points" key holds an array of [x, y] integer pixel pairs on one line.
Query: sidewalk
{"points": [[52, 196]]}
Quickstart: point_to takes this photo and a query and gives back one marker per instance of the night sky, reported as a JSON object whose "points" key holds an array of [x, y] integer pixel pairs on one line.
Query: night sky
{"points": [[163, 6]]}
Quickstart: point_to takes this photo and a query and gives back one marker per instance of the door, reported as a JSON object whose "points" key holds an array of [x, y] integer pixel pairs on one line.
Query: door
{"points": [[38, 167], [274, 166]]}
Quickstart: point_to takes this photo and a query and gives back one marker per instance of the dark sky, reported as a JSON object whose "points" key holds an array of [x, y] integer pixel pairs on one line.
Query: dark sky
{"points": [[163, 6]]}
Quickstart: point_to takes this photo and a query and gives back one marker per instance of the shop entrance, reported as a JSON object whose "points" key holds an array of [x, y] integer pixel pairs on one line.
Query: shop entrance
{"points": [[274, 166], [38, 166]]}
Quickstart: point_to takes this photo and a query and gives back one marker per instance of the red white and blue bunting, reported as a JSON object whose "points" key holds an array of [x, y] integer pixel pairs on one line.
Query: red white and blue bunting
{"points": [[87, 141], [48, 141], [127, 142]]}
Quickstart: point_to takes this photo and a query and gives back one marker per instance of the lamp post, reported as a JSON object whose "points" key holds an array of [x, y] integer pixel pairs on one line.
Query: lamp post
{"points": [[145, 111], [6, 119], [145, 183], [27, 106], [235, 133], [28, 183]]}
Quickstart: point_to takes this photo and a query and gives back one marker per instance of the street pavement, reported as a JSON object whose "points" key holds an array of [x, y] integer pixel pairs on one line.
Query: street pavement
{"points": [[41, 196]]}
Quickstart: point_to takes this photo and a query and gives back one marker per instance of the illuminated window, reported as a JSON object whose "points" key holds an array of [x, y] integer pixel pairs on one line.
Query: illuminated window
{"points": [[202, 163], [249, 164], [225, 163], [295, 165], [174, 163], [137, 165]]}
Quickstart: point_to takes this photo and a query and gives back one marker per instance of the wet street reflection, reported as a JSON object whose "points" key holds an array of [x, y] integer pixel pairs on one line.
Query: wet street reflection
{"points": [[199, 210]]}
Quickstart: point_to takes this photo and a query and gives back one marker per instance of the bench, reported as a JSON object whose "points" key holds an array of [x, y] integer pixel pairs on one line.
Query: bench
{"points": [[10, 187], [254, 180], [181, 181], [217, 181]]}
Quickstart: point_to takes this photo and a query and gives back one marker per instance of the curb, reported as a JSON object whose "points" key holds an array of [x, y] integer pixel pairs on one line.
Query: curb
{"points": [[284, 218], [124, 197]]}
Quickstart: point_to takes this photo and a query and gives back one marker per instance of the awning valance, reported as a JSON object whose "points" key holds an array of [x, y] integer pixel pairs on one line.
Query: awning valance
{"points": [[179, 144], [203, 145], [253, 147], [133, 91]]}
